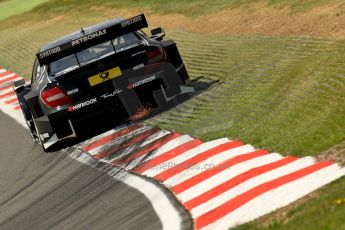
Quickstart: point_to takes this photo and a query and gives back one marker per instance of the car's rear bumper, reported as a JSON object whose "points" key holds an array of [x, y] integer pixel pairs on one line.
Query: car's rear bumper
{"points": [[154, 87]]}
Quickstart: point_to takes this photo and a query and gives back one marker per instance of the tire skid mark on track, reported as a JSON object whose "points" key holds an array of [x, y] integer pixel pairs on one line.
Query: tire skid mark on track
{"points": [[110, 142], [237, 180], [114, 149], [128, 152], [152, 146]]}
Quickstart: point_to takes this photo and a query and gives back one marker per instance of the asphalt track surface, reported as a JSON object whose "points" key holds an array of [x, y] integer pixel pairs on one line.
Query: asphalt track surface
{"points": [[52, 191]]}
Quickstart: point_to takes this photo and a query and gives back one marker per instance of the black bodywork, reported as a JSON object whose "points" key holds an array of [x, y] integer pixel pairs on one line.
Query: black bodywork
{"points": [[114, 88]]}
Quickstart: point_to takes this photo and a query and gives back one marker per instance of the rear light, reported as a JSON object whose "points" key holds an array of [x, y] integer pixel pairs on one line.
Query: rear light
{"points": [[156, 55], [55, 97]]}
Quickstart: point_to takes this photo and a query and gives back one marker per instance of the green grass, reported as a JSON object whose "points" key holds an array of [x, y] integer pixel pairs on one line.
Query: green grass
{"points": [[299, 6], [281, 93], [13, 7], [186, 7]]}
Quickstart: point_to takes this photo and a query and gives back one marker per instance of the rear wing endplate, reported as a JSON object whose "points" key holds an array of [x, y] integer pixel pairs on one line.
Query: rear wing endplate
{"points": [[89, 39]]}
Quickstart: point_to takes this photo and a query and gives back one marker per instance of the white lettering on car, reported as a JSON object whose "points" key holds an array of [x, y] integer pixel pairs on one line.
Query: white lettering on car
{"points": [[47, 53], [89, 37], [106, 95], [131, 21], [82, 105], [73, 91], [141, 82]]}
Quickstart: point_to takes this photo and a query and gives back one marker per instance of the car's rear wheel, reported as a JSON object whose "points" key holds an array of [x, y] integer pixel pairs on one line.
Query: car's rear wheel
{"points": [[37, 136], [34, 133], [28, 119]]}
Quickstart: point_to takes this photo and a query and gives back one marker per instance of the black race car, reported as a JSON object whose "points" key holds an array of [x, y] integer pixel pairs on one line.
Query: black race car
{"points": [[109, 72]]}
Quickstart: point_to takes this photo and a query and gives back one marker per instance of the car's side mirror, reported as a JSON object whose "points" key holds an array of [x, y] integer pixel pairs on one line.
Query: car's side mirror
{"points": [[157, 33]]}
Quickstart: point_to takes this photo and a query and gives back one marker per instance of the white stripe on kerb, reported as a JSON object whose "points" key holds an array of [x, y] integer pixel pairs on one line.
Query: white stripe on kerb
{"points": [[207, 164], [171, 145], [6, 84], [3, 70], [7, 76], [9, 98], [227, 174], [186, 155], [6, 91], [10, 82], [155, 137]]}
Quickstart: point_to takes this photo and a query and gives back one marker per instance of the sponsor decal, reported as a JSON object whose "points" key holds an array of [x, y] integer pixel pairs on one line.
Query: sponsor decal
{"points": [[47, 53], [82, 105], [131, 21], [89, 37], [138, 66], [141, 82], [138, 53], [105, 76], [106, 95], [73, 91]]}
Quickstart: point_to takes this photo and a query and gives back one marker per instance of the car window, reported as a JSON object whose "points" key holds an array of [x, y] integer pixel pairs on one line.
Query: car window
{"points": [[65, 64], [95, 52], [125, 41]]}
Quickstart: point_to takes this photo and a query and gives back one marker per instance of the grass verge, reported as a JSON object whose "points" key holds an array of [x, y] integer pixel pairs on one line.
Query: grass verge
{"points": [[13, 7], [185, 7]]}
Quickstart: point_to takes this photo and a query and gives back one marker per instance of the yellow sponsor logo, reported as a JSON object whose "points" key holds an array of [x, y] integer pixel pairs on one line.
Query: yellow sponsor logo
{"points": [[105, 76]]}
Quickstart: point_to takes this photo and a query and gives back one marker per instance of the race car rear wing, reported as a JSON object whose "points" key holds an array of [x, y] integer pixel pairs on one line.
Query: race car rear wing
{"points": [[89, 39]]}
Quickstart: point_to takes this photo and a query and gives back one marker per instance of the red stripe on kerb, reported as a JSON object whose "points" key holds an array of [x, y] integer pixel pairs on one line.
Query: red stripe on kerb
{"points": [[168, 155], [110, 138], [156, 144], [17, 107], [215, 170], [5, 73], [242, 199], [8, 79], [11, 101], [7, 94], [10, 85], [197, 159], [202, 198], [132, 141]]}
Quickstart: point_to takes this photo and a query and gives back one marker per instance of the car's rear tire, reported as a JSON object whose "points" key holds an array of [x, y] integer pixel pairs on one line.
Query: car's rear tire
{"points": [[38, 139], [34, 133], [32, 126]]}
